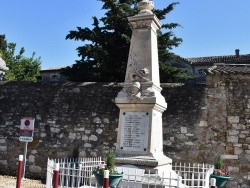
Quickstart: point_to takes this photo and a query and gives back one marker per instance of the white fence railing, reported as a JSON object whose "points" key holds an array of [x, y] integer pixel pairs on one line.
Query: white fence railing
{"points": [[194, 175], [78, 174], [73, 172]]}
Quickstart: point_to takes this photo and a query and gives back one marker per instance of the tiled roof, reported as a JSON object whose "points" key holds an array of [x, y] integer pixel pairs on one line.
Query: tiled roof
{"points": [[52, 68], [220, 59], [229, 69]]}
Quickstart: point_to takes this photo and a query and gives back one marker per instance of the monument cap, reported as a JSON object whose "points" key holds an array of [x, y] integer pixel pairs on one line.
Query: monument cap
{"points": [[145, 6]]}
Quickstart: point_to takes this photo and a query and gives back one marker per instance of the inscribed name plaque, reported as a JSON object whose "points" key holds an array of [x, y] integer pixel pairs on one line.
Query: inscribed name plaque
{"points": [[134, 133]]}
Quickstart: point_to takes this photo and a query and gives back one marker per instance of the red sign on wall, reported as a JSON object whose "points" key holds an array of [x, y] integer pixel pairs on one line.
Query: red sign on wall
{"points": [[27, 129]]}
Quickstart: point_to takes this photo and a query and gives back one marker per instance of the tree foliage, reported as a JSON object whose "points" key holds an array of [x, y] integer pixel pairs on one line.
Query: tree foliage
{"points": [[21, 68], [106, 45], [3, 43]]}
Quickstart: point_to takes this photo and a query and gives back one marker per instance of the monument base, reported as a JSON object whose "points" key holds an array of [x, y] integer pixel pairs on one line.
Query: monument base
{"points": [[159, 164]]}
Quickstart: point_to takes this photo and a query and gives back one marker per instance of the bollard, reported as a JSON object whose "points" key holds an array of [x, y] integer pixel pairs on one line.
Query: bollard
{"points": [[19, 172], [106, 179], [213, 183], [56, 175]]}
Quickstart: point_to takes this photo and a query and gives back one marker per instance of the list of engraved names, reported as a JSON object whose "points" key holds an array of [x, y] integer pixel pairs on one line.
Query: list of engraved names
{"points": [[134, 133]]}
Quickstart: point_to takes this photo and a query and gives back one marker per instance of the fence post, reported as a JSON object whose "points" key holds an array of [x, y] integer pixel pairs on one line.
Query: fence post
{"points": [[56, 175], [213, 183], [19, 172], [49, 176], [106, 179]]}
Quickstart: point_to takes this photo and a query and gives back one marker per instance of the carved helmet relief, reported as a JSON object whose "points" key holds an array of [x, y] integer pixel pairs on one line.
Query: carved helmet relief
{"points": [[135, 88], [135, 92], [131, 93]]}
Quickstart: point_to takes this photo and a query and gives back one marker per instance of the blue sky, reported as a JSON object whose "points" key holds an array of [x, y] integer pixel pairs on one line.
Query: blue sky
{"points": [[209, 27]]}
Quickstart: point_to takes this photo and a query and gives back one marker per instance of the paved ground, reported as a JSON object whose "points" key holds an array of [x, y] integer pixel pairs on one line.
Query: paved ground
{"points": [[10, 182]]}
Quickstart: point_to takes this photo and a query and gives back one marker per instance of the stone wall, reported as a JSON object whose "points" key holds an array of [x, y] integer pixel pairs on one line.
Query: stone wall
{"points": [[228, 101], [67, 115], [200, 122]]}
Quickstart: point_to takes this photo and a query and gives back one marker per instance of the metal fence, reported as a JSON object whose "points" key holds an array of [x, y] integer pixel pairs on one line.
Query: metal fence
{"points": [[78, 174], [194, 175], [73, 173]]}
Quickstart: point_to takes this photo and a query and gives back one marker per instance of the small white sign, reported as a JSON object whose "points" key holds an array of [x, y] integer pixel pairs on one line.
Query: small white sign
{"points": [[27, 129], [26, 139]]}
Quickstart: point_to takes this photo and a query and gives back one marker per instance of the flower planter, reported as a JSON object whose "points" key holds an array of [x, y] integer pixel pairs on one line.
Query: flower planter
{"points": [[220, 180], [114, 179]]}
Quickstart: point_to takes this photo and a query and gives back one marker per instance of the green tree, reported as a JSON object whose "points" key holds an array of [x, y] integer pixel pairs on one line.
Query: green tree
{"points": [[3, 44], [105, 51], [21, 68]]}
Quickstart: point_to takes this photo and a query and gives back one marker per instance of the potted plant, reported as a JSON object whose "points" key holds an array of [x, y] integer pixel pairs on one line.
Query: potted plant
{"points": [[114, 176], [220, 173]]}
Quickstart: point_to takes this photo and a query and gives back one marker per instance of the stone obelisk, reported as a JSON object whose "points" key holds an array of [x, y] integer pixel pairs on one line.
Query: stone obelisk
{"points": [[140, 140]]}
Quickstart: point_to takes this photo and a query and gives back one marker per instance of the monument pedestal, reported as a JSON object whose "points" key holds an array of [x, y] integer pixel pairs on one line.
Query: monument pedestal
{"points": [[139, 140]]}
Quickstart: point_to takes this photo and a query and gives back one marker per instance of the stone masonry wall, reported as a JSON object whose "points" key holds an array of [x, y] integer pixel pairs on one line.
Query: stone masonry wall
{"points": [[229, 123], [200, 122], [67, 115]]}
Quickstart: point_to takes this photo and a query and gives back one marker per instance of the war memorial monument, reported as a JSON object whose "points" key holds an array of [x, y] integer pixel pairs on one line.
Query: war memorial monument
{"points": [[139, 139]]}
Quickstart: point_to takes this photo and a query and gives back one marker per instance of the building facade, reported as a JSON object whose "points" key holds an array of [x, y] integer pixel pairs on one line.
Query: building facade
{"points": [[51, 75], [197, 66]]}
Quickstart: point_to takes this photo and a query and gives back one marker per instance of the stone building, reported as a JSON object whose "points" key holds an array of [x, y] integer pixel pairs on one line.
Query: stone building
{"points": [[197, 66], [51, 75]]}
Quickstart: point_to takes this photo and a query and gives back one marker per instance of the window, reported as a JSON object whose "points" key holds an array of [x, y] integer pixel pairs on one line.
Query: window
{"points": [[201, 72], [55, 77]]}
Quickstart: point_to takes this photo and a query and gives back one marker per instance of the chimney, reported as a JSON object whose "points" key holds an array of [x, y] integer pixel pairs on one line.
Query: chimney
{"points": [[237, 53]]}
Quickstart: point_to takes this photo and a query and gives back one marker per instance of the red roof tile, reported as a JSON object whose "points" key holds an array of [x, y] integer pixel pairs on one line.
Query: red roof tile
{"points": [[229, 69], [220, 59]]}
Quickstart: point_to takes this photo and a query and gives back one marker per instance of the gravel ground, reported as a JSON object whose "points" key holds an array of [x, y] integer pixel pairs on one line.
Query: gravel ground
{"points": [[10, 182]]}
